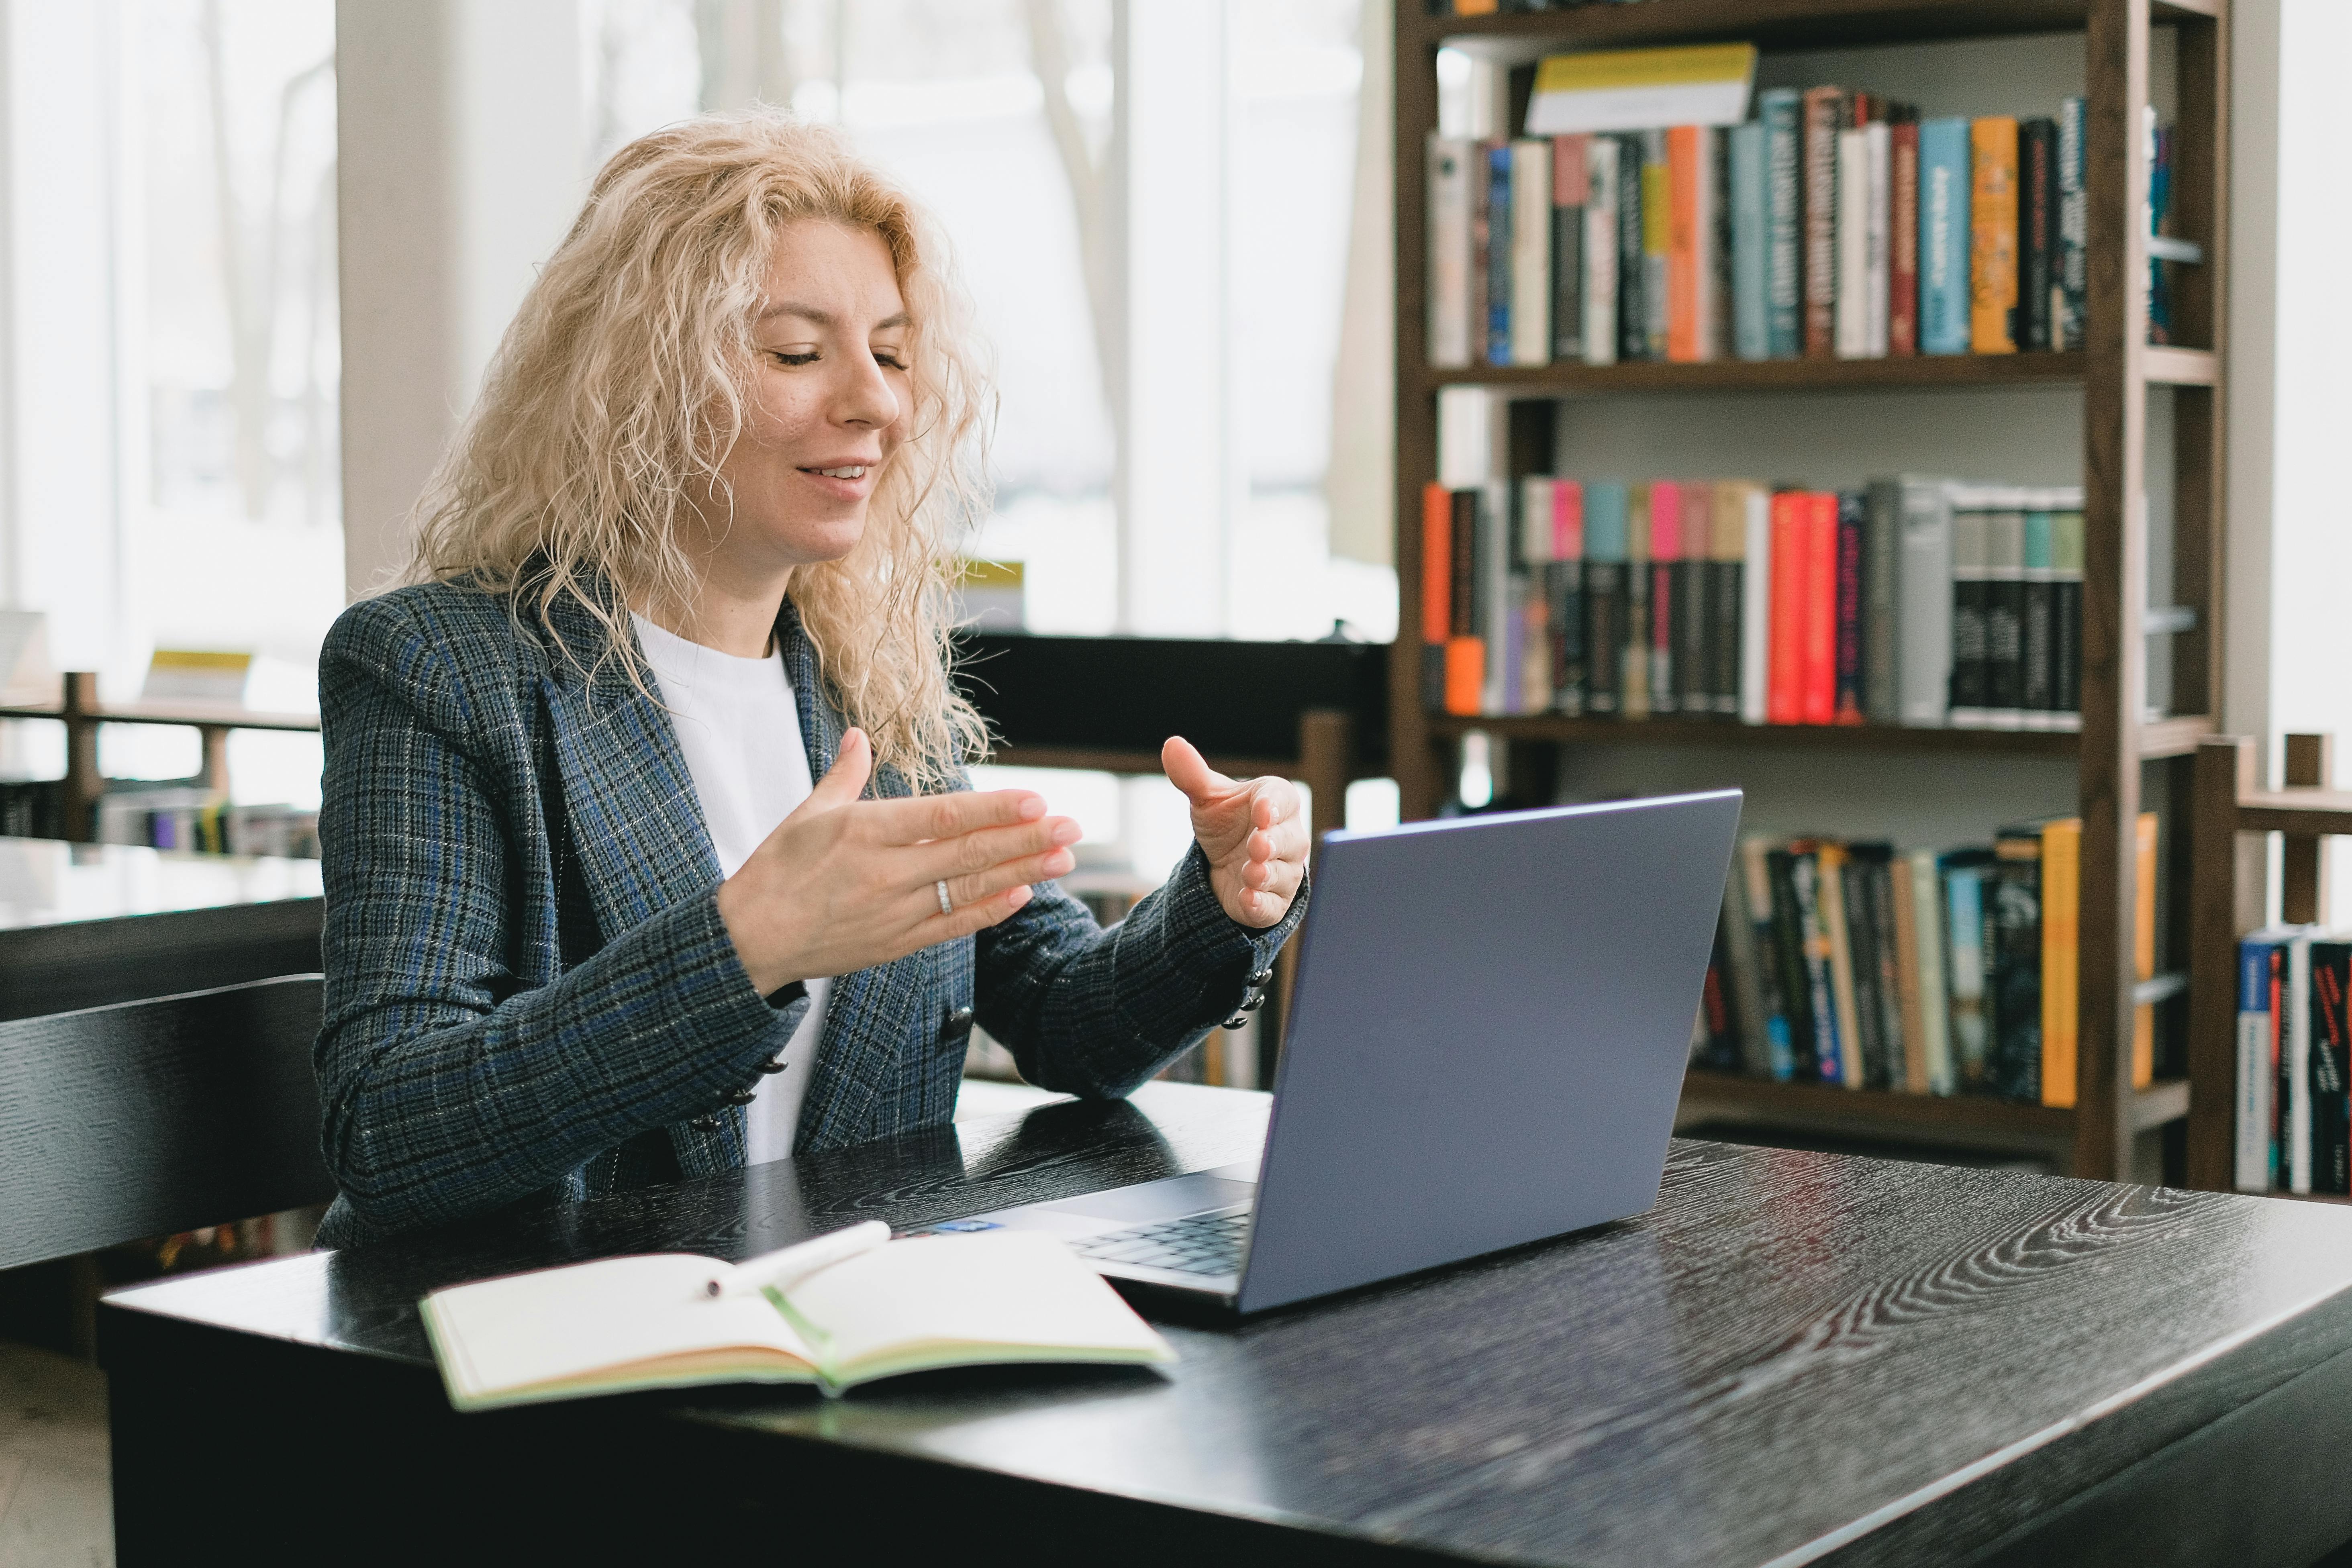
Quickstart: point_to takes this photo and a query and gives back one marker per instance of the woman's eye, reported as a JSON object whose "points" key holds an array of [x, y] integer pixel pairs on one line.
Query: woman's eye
{"points": [[890, 358], [795, 356]]}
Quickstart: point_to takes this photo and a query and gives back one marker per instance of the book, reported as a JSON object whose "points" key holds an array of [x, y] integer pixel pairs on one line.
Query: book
{"points": [[1466, 650], [1531, 261], [1689, 241], [2066, 617], [1666, 584], [1791, 555], [1657, 242], [1852, 316], [1751, 866], [1751, 245], [1971, 561], [2013, 985], [1694, 611], [1450, 159], [1852, 531], [1627, 89], [1782, 112], [1903, 235], [1932, 1060], [2037, 238], [1501, 271], [2331, 1062], [1755, 604], [2004, 615], [620, 1324], [1882, 570], [2143, 1061], [1742, 988], [1494, 598], [1945, 233], [1599, 250], [2037, 628], [1877, 215], [1564, 578], [1818, 608], [1822, 110], [2071, 284], [1964, 875], [2294, 1065], [1854, 1045], [1923, 600], [1877, 983], [2261, 980], [2061, 881], [1606, 610], [1632, 269], [1811, 945], [1570, 185], [1726, 595], [1436, 591], [1992, 249]]}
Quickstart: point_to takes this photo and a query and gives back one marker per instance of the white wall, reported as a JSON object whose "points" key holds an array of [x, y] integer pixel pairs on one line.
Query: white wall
{"points": [[463, 139]]}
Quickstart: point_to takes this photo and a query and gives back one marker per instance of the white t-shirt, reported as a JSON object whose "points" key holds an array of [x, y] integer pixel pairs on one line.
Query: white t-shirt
{"points": [[739, 731]]}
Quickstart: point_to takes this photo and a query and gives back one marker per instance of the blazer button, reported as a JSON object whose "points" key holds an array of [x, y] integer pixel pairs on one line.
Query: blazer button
{"points": [[743, 1097], [776, 1066], [958, 1024], [705, 1124], [1262, 976]]}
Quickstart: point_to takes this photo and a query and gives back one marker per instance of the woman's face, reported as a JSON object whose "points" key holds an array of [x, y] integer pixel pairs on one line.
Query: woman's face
{"points": [[830, 392]]}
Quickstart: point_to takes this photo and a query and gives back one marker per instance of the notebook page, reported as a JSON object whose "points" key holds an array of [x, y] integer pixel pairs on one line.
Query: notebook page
{"points": [[557, 1323], [1005, 1287]]}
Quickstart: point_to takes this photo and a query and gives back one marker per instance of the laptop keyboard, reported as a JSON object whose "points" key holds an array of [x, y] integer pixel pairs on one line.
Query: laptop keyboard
{"points": [[1197, 1244]]}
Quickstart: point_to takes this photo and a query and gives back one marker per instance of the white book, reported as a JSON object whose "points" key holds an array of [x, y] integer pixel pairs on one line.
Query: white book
{"points": [[1465, 436], [1530, 252], [1450, 251], [869, 1308], [1601, 252], [1923, 597], [1535, 521], [1878, 258], [1756, 608], [1852, 316]]}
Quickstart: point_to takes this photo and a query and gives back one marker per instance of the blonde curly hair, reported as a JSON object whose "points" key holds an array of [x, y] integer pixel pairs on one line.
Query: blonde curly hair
{"points": [[625, 381]]}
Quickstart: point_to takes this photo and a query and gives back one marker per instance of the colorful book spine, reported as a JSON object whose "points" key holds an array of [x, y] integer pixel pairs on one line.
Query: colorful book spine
{"points": [[1964, 875], [1830, 861], [1935, 998], [1535, 655], [1599, 258], [1945, 236], [1687, 172], [1828, 1044], [1852, 533], [1606, 528], [1726, 594], [1992, 251], [2295, 1066], [2004, 618], [1633, 270], [2037, 239], [1780, 112], [1500, 271], [1790, 549], [1794, 957], [1531, 231], [2260, 979], [1664, 538], [1436, 591], [1570, 185], [1564, 579], [1971, 561], [1824, 108], [1755, 605], [1819, 608], [1903, 237], [1751, 244], [2061, 879], [2331, 1064], [1658, 242], [1450, 159], [1465, 652], [2072, 288], [2015, 984], [1497, 606], [2144, 949]]}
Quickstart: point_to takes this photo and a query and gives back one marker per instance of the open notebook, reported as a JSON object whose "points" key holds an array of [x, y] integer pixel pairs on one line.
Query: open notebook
{"points": [[842, 1309]]}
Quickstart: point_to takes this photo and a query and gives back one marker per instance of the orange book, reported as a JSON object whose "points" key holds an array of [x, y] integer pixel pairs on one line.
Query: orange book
{"points": [[1784, 691], [1466, 674], [2062, 902], [1818, 587], [1436, 564], [1993, 236], [1685, 168]]}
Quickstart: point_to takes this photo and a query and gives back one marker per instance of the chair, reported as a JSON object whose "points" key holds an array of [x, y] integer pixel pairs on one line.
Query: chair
{"points": [[148, 1118]]}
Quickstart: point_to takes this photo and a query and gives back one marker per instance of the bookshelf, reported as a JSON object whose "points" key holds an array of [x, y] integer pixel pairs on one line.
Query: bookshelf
{"points": [[2125, 758]]}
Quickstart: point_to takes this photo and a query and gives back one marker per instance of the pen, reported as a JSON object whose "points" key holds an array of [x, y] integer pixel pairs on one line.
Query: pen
{"points": [[783, 1270]]}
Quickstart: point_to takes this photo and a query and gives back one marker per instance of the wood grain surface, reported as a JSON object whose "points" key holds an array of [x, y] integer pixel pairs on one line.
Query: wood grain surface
{"points": [[1793, 1357]]}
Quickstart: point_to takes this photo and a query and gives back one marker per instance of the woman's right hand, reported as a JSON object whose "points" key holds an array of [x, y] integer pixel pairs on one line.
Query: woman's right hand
{"points": [[845, 884]]}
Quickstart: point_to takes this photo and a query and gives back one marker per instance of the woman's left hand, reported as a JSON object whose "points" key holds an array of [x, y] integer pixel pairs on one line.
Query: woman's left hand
{"points": [[1252, 831]]}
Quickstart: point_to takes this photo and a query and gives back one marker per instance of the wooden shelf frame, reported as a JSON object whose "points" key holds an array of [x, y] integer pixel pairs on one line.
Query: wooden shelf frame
{"points": [[2229, 896], [2116, 371]]}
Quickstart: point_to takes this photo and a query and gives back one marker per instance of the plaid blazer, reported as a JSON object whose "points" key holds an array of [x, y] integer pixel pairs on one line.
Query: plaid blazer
{"points": [[530, 993]]}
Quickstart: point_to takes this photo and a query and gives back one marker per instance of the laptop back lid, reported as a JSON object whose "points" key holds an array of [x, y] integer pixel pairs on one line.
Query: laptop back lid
{"points": [[1488, 1035]]}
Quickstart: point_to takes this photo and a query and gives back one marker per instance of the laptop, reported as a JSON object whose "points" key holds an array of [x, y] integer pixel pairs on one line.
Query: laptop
{"points": [[1487, 1044]]}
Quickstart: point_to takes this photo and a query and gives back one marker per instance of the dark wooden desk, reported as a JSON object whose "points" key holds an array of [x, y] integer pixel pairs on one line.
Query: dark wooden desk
{"points": [[1794, 1358], [82, 925]]}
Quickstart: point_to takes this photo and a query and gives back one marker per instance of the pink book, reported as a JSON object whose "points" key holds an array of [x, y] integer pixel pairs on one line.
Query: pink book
{"points": [[1567, 518], [1665, 557]]}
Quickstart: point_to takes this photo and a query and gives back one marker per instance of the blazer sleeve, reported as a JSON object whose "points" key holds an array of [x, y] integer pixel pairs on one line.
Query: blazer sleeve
{"points": [[448, 1084], [1094, 1012]]}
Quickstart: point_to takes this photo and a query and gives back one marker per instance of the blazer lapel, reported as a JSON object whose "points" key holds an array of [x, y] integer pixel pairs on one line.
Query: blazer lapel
{"points": [[867, 1022], [636, 822]]}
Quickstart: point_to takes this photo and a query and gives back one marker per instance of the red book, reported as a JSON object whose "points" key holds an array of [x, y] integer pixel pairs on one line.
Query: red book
{"points": [[1853, 515], [1818, 588], [1903, 219], [1436, 564], [1784, 694], [1665, 556], [1567, 519]]}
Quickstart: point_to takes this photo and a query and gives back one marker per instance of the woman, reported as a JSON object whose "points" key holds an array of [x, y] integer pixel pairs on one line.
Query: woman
{"points": [[649, 850]]}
